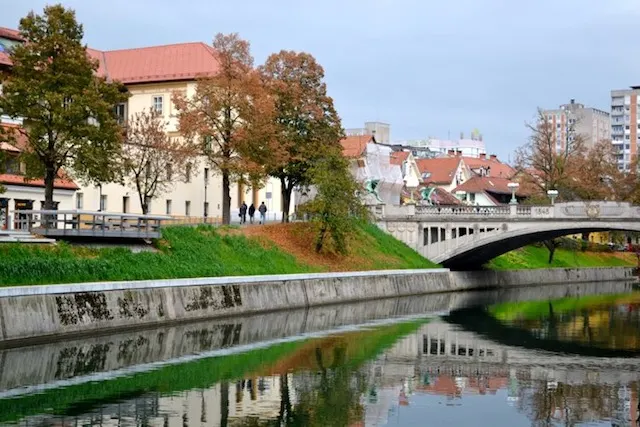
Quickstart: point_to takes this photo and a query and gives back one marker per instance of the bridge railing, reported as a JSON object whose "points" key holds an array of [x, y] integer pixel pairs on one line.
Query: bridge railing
{"points": [[585, 210]]}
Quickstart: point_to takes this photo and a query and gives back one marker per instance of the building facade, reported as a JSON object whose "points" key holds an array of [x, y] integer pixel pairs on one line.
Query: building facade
{"points": [[472, 146], [151, 76], [381, 131], [573, 119], [625, 125]]}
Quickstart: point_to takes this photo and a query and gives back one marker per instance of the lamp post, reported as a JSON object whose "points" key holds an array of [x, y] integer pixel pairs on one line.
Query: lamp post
{"points": [[513, 186], [552, 195], [206, 184]]}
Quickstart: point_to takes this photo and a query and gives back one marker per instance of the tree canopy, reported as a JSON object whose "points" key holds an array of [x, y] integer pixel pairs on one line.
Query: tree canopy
{"points": [[306, 122], [69, 121]]}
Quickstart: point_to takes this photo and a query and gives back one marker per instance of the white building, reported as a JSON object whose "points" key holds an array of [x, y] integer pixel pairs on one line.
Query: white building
{"points": [[473, 146]]}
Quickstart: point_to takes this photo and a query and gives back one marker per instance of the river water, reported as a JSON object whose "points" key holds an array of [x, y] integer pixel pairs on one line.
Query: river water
{"points": [[549, 355]]}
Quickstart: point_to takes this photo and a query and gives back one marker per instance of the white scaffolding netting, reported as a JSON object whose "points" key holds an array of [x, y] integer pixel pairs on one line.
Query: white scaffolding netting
{"points": [[378, 167]]}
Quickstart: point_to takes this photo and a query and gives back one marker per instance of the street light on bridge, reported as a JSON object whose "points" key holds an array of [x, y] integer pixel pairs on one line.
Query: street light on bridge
{"points": [[513, 186], [552, 195]]}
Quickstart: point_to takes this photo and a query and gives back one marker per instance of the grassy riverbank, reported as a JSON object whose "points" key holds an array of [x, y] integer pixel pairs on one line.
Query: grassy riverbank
{"points": [[205, 251], [531, 257]]}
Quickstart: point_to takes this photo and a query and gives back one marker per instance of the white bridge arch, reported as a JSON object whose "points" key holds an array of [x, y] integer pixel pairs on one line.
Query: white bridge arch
{"points": [[466, 237]]}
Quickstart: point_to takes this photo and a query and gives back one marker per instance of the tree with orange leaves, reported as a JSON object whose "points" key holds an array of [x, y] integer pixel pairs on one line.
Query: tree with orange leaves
{"points": [[306, 122], [230, 115], [152, 160]]}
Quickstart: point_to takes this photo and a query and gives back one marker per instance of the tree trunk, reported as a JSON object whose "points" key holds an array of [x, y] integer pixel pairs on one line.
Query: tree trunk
{"points": [[49, 180], [226, 198], [286, 190], [321, 237], [550, 244]]}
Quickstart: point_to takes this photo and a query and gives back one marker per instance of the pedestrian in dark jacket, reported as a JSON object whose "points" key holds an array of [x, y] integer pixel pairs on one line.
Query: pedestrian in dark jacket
{"points": [[243, 213], [263, 210], [252, 212]]}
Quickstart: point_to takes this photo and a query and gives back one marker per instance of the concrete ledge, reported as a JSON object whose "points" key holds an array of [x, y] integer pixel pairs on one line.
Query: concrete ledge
{"points": [[38, 311]]}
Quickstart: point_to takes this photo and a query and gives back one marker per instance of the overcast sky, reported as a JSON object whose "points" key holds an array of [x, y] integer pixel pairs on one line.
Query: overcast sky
{"points": [[429, 68]]}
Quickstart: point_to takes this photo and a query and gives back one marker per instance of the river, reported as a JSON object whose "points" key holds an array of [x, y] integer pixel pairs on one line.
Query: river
{"points": [[548, 355]]}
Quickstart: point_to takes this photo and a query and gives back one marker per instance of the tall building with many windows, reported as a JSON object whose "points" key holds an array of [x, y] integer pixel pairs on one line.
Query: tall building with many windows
{"points": [[625, 124], [574, 119]]}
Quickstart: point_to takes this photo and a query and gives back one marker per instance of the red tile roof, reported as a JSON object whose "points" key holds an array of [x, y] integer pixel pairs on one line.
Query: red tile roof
{"points": [[183, 61], [175, 62], [442, 169], [354, 146], [11, 34], [492, 184], [399, 157], [498, 168]]}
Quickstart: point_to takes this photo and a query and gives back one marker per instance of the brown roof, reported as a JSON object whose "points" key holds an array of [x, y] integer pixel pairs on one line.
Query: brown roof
{"points": [[498, 168], [175, 62], [442, 169], [492, 184], [399, 157], [354, 146]]}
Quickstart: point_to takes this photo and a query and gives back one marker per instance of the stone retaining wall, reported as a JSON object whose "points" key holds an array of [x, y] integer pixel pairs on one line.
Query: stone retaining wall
{"points": [[30, 312]]}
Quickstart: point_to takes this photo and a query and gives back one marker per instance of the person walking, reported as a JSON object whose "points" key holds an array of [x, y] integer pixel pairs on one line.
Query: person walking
{"points": [[243, 213], [252, 212], [263, 210]]}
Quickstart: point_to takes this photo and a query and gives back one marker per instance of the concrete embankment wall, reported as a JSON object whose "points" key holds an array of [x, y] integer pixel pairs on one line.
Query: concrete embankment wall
{"points": [[30, 312]]}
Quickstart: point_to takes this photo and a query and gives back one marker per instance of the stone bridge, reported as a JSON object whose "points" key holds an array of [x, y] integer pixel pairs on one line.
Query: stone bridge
{"points": [[466, 237]]}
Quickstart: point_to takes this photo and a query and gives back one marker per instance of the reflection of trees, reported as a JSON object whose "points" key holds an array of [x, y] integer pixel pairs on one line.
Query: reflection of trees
{"points": [[330, 397], [547, 403]]}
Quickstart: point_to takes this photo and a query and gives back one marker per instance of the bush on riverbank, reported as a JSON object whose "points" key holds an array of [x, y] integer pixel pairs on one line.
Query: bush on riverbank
{"points": [[531, 257], [202, 251]]}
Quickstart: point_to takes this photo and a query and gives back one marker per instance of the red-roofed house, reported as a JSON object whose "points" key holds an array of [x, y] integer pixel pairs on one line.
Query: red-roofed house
{"points": [[443, 172], [487, 191], [20, 193], [151, 76]]}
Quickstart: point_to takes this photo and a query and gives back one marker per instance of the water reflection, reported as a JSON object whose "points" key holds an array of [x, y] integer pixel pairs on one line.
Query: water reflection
{"points": [[420, 372]]}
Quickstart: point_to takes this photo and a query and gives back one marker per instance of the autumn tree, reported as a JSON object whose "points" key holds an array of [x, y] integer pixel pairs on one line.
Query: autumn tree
{"points": [[545, 163], [306, 121], [67, 109], [152, 160], [336, 208], [230, 115], [595, 176]]}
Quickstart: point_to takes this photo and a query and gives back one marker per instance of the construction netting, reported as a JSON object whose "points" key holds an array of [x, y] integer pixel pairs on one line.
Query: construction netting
{"points": [[380, 176]]}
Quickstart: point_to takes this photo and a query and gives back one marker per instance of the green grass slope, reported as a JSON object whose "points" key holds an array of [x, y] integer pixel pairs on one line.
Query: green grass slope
{"points": [[531, 257]]}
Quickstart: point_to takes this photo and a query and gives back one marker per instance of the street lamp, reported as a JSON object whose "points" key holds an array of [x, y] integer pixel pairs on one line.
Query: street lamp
{"points": [[462, 195], [552, 195], [513, 186]]}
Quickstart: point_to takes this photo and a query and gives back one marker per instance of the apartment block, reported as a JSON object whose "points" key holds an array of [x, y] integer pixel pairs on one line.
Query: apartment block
{"points": [[625, 124], [572, 119]]}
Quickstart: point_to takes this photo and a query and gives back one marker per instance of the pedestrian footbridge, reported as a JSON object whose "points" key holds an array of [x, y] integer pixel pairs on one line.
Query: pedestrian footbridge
{"points": [[466, 237]]}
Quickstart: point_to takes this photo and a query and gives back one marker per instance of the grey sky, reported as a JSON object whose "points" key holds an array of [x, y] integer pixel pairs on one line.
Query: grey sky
{"points": [[426, 67]]}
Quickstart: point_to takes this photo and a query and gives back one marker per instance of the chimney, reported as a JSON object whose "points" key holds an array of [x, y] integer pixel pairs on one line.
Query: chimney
{"points": [[493, 157], [483, 156], [458, 153], [573, 101], [451, 152]]}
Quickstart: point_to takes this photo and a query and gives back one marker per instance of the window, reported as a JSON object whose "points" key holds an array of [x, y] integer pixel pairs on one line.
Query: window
{"points": [[103, 202], [121, 112], [207, 143], [158, 104], [168, 207], [188, 172], [187, 208], [169, 171], [79, 200], [125, 204]]}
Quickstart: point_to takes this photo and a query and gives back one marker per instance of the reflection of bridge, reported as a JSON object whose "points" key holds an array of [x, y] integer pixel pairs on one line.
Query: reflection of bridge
{"points": [[463, 237]]}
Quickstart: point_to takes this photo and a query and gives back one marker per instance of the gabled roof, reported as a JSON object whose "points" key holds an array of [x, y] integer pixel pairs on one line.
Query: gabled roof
{"points": [[399, 157], [355, 146], [441, 170], [174, 62], [11, 34]]}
